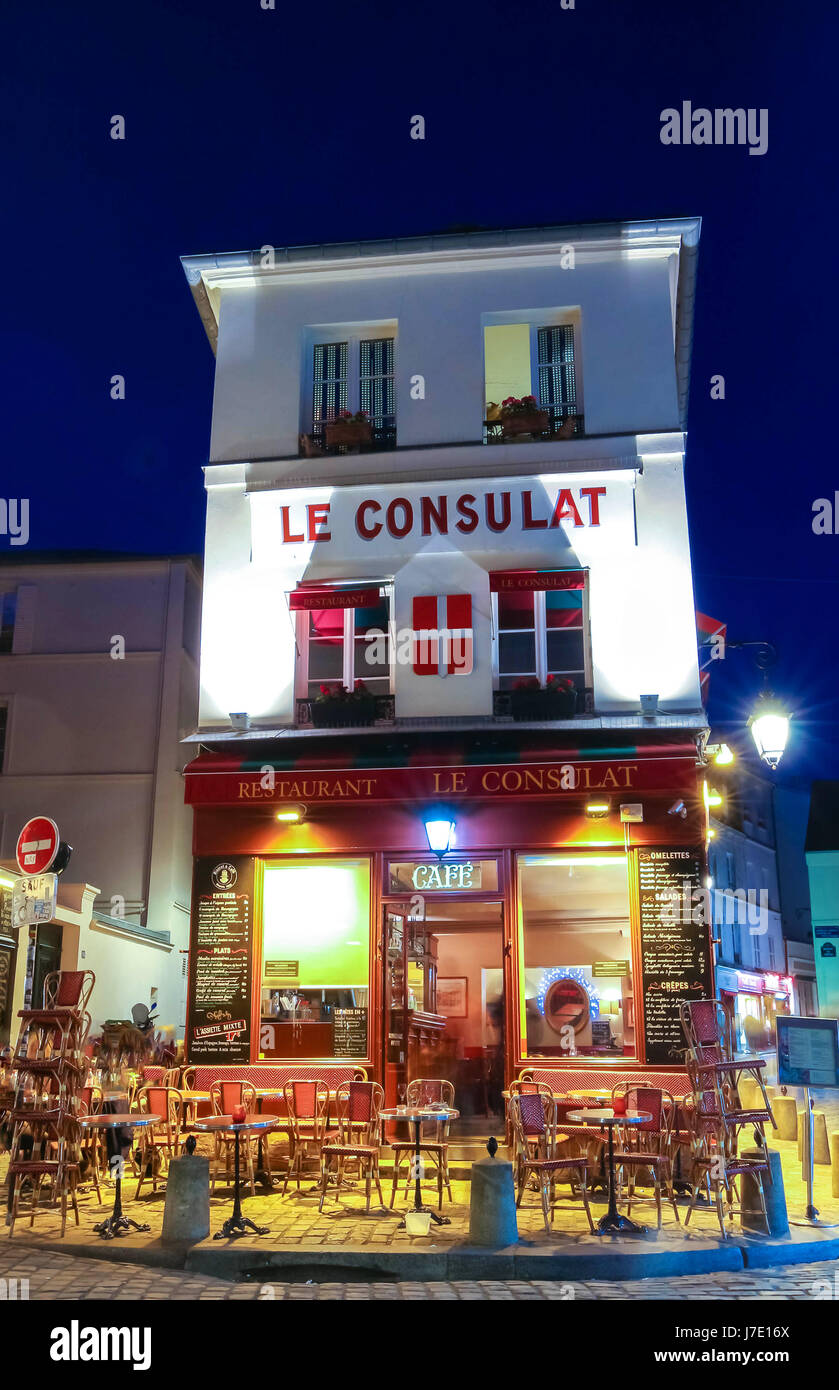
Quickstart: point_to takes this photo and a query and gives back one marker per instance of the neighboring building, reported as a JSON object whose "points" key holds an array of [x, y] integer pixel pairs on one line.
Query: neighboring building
{"points": [[543, 549], [98, 685], [753, 976], [822, 846], [792, 809]]}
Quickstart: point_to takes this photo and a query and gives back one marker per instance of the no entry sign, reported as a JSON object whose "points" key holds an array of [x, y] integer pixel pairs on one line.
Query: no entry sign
{"points": [[37, 845]]}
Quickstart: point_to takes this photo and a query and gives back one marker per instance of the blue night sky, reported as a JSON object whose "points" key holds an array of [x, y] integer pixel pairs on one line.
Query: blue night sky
{"points": [[246, 126]]}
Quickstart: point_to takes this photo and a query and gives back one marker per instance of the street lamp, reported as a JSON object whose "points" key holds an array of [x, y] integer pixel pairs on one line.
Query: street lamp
{"points": [[439, 830], [770, 728]]}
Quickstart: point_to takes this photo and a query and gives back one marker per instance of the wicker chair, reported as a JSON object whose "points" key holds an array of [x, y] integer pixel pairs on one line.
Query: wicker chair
{"points": [[434, 1135], [224, 1095], [536, 1140], [647, 1146], [307, 1104], [358, 1139], [161, 1140]]}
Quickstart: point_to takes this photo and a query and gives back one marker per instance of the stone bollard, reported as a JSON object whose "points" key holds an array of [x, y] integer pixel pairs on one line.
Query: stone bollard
{"points": [[785, 1110], [749, 1093], [186, 1212], [751, 1216], [821, 1150], [834, 1162], [492, 1203]]}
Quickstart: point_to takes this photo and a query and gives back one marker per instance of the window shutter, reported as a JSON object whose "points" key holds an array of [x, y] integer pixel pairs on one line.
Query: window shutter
{"points": [[426, 652], [376, 387], [557, 382], [459, 623], [329, 384]]}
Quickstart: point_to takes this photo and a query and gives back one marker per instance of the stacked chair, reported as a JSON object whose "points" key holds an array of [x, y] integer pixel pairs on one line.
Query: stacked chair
{"points": [[718, 1116], [49, 1064]]}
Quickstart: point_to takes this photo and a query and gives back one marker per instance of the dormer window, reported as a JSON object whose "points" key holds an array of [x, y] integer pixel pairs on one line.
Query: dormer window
{"points": [[351, 379]]}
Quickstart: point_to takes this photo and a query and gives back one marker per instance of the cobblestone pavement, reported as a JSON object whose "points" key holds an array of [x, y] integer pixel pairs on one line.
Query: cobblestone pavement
{"points": [[294, 1220], [53, 1277]]}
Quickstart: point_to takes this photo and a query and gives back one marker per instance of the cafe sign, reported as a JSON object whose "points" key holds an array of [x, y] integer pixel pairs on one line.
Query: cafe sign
{"points": [[428, 877]]}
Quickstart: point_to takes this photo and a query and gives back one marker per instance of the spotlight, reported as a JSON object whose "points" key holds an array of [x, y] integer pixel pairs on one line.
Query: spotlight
{"points": [[292, 814], [596, 810]]}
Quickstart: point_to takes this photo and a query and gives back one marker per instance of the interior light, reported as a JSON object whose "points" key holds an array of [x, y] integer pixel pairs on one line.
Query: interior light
{"points": [[292, 815], [439, 831], [597, 809], [770, 729], [6, 881]]}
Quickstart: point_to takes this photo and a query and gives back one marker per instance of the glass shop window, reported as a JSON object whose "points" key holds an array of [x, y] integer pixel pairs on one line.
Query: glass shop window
{"points": [[576, 975], [315, 959]]}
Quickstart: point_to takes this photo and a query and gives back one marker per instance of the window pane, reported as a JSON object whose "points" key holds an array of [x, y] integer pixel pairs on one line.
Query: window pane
{"points": [[376, 387], [315, 964], [577, 955], [564, 608], [517, 653], [565, 650], [515, 610], [367, 618], [326, 661], [506, 361]]}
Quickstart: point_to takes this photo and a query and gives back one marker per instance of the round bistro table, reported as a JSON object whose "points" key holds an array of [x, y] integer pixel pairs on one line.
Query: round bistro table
{"points": [[236, 1224], [117, 1221], [415, 1114], [612, 1221]]}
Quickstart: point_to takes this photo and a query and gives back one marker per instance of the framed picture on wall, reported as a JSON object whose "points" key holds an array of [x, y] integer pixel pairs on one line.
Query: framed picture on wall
{"points": [[452, 997]]}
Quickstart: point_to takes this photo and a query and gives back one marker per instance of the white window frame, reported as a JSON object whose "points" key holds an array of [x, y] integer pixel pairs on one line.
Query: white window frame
{"points": [[353, 335], [540, 629], [348, 675], [542, 318]]}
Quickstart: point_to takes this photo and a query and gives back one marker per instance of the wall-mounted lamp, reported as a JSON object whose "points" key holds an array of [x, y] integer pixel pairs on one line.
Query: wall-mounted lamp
{"points": [[291, 815], [649, 705], [770, 728], [711, 795], [596, 810], [241, 721], [439, 830], [722, 754]]}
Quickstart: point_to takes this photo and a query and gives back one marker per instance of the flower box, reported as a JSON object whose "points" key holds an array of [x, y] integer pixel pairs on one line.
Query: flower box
{"points": [[352, 434], [337, 714], [532, 422], [543, 704]]}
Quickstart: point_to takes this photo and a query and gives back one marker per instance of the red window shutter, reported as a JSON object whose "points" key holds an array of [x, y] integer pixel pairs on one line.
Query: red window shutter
{"points": [[459, 624], [426, 653]]}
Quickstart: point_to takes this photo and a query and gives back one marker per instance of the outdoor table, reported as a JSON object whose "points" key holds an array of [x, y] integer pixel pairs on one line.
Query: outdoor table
{"points": [[612, 1221], [117, 1221], [236, 1223], [415, 1114]]}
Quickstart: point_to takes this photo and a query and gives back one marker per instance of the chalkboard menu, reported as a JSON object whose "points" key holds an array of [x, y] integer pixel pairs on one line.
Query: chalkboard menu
{"points": [[350, 1033], [221, 956], [6, 911], [675, 946]]}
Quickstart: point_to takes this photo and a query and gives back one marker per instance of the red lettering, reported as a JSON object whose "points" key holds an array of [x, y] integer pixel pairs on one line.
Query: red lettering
{"points": [[566, 507], [492, 522], [528, 522], [318, 514], [439, 514], [467, 511], [366, 531], [594, 495], [288, 538], [408, 517]]}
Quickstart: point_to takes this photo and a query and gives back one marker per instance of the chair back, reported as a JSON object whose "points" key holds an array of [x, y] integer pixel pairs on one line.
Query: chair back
{"points": [[652, 1136], [171, 1077], [153, 1074], [68, 989], [307, 1103], [431, 1091], [225, 1094], [187, 1082], [705, 1027], [534, 1123], [90, 1100], [358, 1104], [164, 1101], [531, 1088]]}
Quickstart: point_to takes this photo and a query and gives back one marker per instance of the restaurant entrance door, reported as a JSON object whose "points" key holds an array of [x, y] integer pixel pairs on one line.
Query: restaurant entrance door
{"points": [[444, 1005]]}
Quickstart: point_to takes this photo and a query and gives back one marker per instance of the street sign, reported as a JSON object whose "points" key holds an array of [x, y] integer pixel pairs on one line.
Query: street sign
{"points": [[34, 900], [37, 845]]}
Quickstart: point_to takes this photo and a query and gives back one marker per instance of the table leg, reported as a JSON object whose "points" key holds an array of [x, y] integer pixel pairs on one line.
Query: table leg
{"points": [[237, 1224], [613, 1221], [117, 1221], [418, 1205]]}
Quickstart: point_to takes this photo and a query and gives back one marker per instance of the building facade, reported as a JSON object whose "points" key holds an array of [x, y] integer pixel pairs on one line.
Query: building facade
{"points": [[449, 608], [98, 685], [822, 853]]}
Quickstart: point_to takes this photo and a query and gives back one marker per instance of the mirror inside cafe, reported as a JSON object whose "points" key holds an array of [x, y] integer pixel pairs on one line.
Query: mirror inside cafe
{"points": [[442, 963]]}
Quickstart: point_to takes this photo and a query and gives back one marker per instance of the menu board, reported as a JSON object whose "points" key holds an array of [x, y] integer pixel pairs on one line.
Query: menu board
{"points": [[6, 910], [675, 946], [350, 1032], [221, 958]]}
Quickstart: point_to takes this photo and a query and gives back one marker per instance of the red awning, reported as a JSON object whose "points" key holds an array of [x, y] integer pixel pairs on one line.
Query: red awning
{"points": [[506, 581], [328, 596]]}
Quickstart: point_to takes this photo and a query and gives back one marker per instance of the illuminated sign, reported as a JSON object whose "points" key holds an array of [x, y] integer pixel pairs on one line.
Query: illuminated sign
{"points": [[427, 877]]}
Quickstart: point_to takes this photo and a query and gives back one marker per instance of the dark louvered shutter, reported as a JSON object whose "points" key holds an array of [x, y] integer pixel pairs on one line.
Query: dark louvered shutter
{"points": [[557, 382], [329, 384], [377, 389]]}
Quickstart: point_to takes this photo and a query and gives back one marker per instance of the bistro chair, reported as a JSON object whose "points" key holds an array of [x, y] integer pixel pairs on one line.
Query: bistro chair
{"points": [[53, 1154], [646, 1147], [710, 1046], [307, 1105], [223, 1096], [159, 1140], [537, 1140], [90, 1103], [358, 1139], [68, 989], [522, 1087], [717, 1173], [434, 1135]]}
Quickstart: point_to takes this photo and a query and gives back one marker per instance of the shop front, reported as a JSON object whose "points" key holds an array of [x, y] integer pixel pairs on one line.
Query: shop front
{"points": [[753, 999], [559, 932]]}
